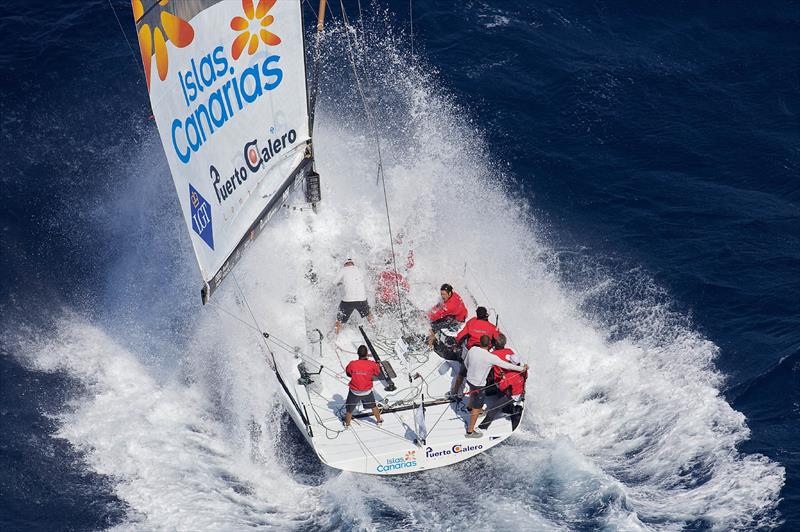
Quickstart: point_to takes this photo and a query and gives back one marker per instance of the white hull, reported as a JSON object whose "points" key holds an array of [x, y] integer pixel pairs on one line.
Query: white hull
{"points": [[392, 448]]}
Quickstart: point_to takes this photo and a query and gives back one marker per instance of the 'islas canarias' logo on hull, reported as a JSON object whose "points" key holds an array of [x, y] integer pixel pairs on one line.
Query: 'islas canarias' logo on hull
{"points": [[408, 460]]}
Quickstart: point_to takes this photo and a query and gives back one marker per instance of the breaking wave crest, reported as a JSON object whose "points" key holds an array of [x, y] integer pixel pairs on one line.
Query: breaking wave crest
{"points": [[626, 426]]}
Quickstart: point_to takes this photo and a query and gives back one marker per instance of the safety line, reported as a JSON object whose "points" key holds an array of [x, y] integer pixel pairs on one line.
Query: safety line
{"points": [[381, 174], [130, 46]]}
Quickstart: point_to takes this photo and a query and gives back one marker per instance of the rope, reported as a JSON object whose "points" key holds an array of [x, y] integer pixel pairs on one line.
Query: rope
{"points": [[468, 268], [411, 21], [381, 175], [308, 3], [130, 46], [235, 280], [278, 342], [362, 444]]}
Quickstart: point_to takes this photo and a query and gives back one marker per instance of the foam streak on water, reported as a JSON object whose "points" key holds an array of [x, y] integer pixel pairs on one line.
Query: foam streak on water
{"points": [[622, 430]]}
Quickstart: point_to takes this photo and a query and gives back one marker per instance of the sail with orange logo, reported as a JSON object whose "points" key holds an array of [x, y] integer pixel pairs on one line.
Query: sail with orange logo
{"points": [[227, 84]]}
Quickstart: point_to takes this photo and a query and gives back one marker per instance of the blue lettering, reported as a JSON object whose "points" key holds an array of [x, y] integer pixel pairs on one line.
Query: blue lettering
{"points": [[277, 72], [207, 117], [200, 112], [256, 86], [220, 60], [223, 113], [183, 88], [207, 74], [191, 127], [190, 85], [184, 157]]}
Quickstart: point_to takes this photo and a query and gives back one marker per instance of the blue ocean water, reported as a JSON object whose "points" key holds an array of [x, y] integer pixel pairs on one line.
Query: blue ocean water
{"points": [[652, 141]]}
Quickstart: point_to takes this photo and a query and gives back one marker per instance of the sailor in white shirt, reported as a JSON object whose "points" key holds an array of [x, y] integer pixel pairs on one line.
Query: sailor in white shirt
{"points": [[478, 363], [354, 294]]}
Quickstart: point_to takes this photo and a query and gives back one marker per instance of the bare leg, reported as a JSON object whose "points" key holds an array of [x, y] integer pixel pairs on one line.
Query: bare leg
{"points": [[370, 319], [457, 385], [347, 418], [377, 413], [473, 418], [431, 336], [338, 327]]}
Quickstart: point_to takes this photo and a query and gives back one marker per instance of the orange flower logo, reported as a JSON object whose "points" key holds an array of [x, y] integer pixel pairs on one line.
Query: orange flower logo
{"points": [[177, 30], [410, 455], [252, 27]]}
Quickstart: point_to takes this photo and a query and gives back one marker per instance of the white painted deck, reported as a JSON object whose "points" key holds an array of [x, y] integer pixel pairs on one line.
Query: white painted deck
{"points": [[391, 448]]}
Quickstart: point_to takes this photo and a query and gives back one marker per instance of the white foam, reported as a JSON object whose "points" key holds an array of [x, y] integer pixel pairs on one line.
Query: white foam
{"points": [[617, 432]]}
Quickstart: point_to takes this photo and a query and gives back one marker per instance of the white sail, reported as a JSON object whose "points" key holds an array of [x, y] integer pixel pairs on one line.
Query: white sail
{"points": [[227, 84]]}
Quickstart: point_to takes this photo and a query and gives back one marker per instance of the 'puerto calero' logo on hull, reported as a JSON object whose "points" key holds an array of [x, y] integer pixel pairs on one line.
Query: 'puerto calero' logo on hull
{"points": [[201, 216], [430, 452]]}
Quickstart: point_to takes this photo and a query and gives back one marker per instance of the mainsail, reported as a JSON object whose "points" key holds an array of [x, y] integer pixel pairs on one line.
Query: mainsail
{"points": [[227, 83]]}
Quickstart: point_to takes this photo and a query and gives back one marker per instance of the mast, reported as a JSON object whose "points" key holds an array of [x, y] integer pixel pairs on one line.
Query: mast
{"points": [[321, 15], [228, 89]]}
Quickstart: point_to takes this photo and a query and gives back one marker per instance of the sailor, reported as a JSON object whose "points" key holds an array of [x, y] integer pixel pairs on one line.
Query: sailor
{"points": [[511, 385], [354, 294], [450, 312], [477, 364], [511, 382], [388, 282], [477, 327], [361, 373]]}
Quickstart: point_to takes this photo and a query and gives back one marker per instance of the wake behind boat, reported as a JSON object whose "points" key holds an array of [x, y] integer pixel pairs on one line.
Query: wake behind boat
{"points": [[229, 93]]}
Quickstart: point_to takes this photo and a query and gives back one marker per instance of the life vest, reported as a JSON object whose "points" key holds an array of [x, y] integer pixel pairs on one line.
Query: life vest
{"points": [[509, 379], [473, 331], [361, 373]]}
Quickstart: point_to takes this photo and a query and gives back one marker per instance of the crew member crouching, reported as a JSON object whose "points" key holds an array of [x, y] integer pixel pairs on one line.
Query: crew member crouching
{"points": [[477, 364], [451, 312], [477, 327], [511, 385]]}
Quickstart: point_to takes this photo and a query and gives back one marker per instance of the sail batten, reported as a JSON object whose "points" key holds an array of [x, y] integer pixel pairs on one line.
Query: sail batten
{"points": [[227, 84]]}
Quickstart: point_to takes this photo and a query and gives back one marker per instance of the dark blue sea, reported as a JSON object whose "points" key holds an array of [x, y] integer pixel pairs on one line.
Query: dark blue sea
{"points": [[655, 149]]}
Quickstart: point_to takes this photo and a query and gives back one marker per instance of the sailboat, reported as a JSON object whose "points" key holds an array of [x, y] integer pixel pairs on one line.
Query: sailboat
{"points": [[230, 95]]}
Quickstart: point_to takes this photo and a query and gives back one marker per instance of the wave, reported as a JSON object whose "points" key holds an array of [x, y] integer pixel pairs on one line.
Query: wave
{"points": [[625, 428]]}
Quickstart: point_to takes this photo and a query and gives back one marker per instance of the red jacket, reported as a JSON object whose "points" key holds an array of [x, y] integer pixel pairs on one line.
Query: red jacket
{"points": [[452, 307], [473, 331], [505, 379], [361, 373], [387, 286]]}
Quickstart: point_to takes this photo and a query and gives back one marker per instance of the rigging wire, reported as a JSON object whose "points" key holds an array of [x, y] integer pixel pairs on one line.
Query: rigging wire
{"points": [[247, 304], [411, 21], [125, 35], [381, 174], [282, 344]]}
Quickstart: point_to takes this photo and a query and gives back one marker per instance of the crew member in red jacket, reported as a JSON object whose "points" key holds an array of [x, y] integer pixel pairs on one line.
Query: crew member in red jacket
{"points": [[449, 313], [511, 385], [477, 327], [471, 334], [361, 373]]}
